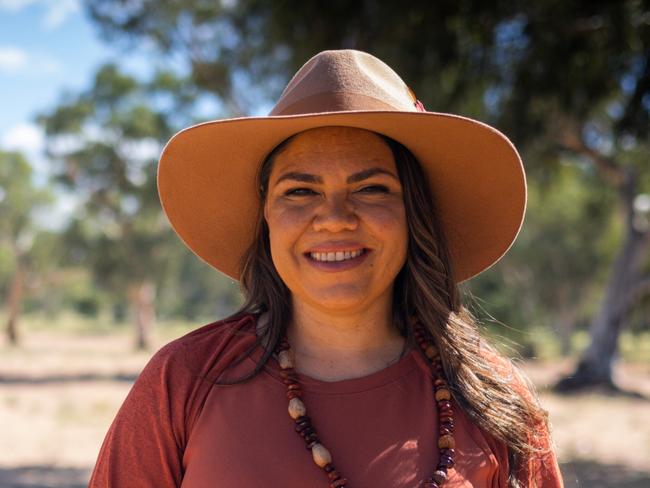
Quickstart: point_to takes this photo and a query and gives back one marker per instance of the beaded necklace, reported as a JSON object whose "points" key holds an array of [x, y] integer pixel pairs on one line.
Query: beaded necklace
{"points": [[320, 454]]}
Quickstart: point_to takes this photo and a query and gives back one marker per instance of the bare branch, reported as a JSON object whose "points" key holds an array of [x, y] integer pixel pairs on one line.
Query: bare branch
{"points": [[570, 140]]}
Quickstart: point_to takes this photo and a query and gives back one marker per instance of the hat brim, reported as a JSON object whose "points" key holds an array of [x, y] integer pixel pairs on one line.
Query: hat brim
{"points": [[207, 181]]}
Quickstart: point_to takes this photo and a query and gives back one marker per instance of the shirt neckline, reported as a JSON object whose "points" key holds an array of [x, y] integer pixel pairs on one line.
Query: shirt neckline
{"points": [[374, 380], [405, 365]]}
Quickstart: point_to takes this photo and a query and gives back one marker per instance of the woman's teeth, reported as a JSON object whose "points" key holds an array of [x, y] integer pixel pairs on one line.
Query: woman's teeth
{"points": [[335, 256]]}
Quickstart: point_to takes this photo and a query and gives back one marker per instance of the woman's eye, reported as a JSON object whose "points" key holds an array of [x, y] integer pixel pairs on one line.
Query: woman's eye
{"points": [[299, 192], [374, 189]]}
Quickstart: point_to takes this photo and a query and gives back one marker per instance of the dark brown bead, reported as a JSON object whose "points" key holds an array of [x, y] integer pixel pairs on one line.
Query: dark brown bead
{"points": [[339, 483], [328, 467], [440, 476], [333, 475], [447, 452], [439, 382], [446, 461], [300, 426], [294, 394], [293, 386], [312, 444], [429, 483], [307, 432]]}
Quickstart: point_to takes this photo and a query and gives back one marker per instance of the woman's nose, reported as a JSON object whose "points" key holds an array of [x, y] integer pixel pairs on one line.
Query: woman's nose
{"points": [[336, 214]]}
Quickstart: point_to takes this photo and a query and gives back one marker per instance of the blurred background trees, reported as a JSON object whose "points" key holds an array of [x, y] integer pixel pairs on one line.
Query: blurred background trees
{"points": [[569, 82], [22, 244]]}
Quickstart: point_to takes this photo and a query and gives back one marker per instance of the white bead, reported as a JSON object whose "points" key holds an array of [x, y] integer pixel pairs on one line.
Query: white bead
{"points": [[296, 408], [285, 359], [322, 456]]}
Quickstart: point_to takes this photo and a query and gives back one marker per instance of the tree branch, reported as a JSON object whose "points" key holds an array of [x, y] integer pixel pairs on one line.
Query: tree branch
{"points": [[570, 140]]}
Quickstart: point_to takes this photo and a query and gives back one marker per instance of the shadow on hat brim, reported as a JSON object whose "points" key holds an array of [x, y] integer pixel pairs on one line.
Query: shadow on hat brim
{"points": [[207, 181]]}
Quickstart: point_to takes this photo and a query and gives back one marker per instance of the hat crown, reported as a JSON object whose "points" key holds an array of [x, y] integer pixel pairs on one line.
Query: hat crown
{"points": [[344, 80]]}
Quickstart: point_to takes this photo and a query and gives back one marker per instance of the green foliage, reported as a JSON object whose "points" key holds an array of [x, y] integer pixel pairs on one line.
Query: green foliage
{"points": [[106, 142], [549, 272], [18, 199], [568, 81]]}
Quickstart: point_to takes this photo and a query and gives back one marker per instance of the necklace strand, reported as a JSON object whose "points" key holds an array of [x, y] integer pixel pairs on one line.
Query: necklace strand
{"points": [[320, 454]]}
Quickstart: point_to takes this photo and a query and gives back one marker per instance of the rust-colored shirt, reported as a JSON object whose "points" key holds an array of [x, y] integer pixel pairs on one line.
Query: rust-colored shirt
{"points": [[177, 429]]}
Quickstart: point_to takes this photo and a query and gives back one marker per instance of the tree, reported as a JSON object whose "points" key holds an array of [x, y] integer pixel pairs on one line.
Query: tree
{"points": [[568, 80], [581, 88], [105, 142], [18, 201]]}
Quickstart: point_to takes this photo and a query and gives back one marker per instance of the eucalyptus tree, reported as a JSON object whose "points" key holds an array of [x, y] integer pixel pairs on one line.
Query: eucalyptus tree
{"points": [[19, 199], [104, 144]]}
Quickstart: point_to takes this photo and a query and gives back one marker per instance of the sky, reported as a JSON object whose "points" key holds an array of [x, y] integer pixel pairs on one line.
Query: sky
{"points": [[47, 48]]}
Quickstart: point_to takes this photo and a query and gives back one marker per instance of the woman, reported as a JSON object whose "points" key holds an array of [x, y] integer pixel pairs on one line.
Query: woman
{"points": [[350, 215]]}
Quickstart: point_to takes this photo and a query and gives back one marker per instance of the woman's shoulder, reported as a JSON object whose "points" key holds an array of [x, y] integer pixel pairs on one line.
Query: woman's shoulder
{"points": [[204, 349]]}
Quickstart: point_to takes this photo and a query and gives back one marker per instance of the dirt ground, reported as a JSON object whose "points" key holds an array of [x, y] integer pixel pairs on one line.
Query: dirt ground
{"points": [[59, 393]]}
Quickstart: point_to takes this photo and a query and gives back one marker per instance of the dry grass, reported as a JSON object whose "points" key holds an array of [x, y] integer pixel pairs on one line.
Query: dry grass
{"points": [[59, 392]]}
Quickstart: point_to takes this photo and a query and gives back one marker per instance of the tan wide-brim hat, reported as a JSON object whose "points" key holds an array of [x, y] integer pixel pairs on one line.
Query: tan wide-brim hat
{"points": [[207, 176]]}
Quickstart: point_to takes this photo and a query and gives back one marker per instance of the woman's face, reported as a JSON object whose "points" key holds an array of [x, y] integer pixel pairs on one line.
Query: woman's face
{"points": [[336, 218]]}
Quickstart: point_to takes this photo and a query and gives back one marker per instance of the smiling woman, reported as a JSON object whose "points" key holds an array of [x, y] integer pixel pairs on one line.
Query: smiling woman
{"points": [[353, 361], [353, 203]]}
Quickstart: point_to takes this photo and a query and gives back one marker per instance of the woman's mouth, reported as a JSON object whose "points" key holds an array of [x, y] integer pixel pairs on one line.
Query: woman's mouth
{"points": [[335, 256], [337, 260]]}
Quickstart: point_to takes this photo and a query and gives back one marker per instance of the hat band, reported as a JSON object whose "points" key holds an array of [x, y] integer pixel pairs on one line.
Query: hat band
{"points": [[334, 102]]}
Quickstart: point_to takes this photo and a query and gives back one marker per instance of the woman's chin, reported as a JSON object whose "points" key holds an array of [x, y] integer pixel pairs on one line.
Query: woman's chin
{"points": [[340, 301]]}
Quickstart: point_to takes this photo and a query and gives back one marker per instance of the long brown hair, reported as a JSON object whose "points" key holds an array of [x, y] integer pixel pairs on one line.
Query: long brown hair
{"points": [[490, 389]]}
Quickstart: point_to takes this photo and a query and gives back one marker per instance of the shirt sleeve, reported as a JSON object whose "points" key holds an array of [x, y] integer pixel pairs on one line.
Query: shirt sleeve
{"points": [[145, 443], [542, 470]]}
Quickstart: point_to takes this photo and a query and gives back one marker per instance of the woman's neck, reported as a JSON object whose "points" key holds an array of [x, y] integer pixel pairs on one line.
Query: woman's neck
{"points": [[334, 347]]}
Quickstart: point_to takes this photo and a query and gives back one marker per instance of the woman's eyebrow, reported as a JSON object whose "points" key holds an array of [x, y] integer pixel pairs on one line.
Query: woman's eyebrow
{"points": [[367, 173], [296, 176], [353, 178]]}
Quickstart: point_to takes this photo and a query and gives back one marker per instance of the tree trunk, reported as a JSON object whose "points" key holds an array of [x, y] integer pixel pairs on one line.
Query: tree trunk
{"points": [[595, 366], [142, 298], [565, 327], [14, 302]]}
